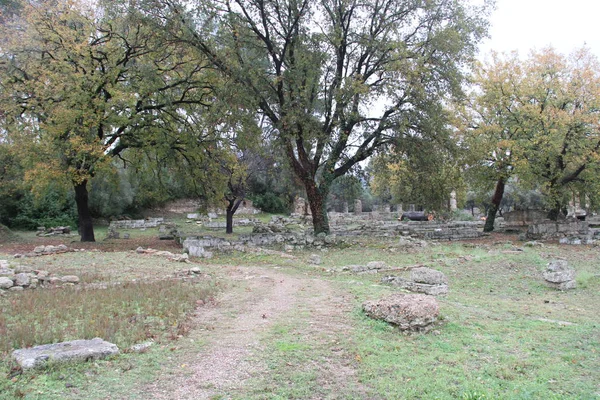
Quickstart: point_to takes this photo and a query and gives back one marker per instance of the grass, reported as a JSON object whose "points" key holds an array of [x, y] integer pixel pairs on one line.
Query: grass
{"points": [[503, 333], [138, 302], [123, 314]]}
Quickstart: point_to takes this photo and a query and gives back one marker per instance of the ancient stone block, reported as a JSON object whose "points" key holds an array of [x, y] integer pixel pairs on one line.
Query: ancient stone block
{"points": [[22, 279], [6, 283], [76, 350], [428, 276], [429, 289], [70, 279], [414, 312]]}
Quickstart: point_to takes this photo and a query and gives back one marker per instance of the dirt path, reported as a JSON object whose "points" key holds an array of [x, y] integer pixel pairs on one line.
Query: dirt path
{"points": [[231, 331]]}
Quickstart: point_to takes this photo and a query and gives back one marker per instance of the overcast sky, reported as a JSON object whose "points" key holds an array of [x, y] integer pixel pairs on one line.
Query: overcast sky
{"points": [[525, 24]]}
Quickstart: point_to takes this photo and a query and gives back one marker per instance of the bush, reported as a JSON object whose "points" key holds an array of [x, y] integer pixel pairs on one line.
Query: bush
{"points": [[271, 203], [53, 208]]}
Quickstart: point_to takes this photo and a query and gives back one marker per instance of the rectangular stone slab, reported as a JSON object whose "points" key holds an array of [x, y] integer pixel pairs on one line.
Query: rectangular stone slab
{"points": [[73, 351]]}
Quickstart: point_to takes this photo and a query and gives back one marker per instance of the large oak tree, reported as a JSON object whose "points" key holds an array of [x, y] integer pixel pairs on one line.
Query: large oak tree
{"points": [[334, 79]]}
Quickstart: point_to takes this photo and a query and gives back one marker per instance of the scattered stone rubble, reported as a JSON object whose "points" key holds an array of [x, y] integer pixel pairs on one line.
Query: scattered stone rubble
{"points": [[73, 351], [46, 250], [57, 231], [167, 254], [559, 275], [422, 280], [167, 231], [371, 267], [410, 312], [22, 277]]}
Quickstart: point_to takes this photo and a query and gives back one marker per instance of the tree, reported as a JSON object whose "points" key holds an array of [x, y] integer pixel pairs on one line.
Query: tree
{"points": [[489, 128], [334, 79], [536, 120], [561, 119], [424, 173], [80, 85]]}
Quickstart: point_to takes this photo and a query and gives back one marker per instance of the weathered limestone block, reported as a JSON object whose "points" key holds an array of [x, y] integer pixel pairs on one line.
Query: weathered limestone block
{"points": [[358, 207], [6, 283], [76, 350], [70, 279], [22, 279], [559, 275], [432, 290], [314, 259], [428, 276], [415, 312]]}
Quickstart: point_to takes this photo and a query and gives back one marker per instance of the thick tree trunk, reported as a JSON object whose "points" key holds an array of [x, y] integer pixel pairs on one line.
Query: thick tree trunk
{"points": [[317, 200], [85, 224], [496, 199], [232, 207]]}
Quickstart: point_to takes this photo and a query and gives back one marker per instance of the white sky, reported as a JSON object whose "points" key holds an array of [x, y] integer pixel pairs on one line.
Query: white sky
{"points": [[526, 24]]}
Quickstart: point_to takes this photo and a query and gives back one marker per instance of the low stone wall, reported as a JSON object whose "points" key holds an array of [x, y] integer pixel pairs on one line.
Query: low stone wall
{"points": [[557, 230], [423, 230], [524, 217], [223, 224], [136, 223], [199, 246]]}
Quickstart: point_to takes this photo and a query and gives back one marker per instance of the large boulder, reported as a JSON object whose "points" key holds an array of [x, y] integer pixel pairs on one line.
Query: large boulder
{"points": [[410, 312], [76, 350]]}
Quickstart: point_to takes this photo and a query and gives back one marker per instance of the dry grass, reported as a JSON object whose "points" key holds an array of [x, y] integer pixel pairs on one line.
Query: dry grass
{"points": [[122, 314]]}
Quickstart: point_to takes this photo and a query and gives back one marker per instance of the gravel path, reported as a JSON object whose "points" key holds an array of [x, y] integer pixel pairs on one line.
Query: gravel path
{"points": [[232, 327]]}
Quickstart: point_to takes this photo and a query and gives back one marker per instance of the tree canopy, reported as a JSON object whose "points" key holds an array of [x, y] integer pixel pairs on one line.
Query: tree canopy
{"points": [[536, 120], [80, 84], [335, 80]]}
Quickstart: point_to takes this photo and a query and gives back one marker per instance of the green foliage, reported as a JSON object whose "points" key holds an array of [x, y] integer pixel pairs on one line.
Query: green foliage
{"points": [[270, 202], [345, 189], [314, 89], [422, 172], [54, 207], [534, 119], [11, 183]]}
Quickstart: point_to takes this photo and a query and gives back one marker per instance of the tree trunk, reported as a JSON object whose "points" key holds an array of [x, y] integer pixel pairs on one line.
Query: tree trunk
{"points": [[496, 199], [85, 224], [557, 212], [317, 200], [232, 207]]}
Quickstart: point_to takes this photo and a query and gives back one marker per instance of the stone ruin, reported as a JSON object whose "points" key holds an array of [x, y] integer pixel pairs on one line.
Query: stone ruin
{"points": [[301, 207], [559, 275], [422, 280], [46, 250], [409, 312], [358, 209], [56, 231], [22, 277], [73, 351], [136, 223]]}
